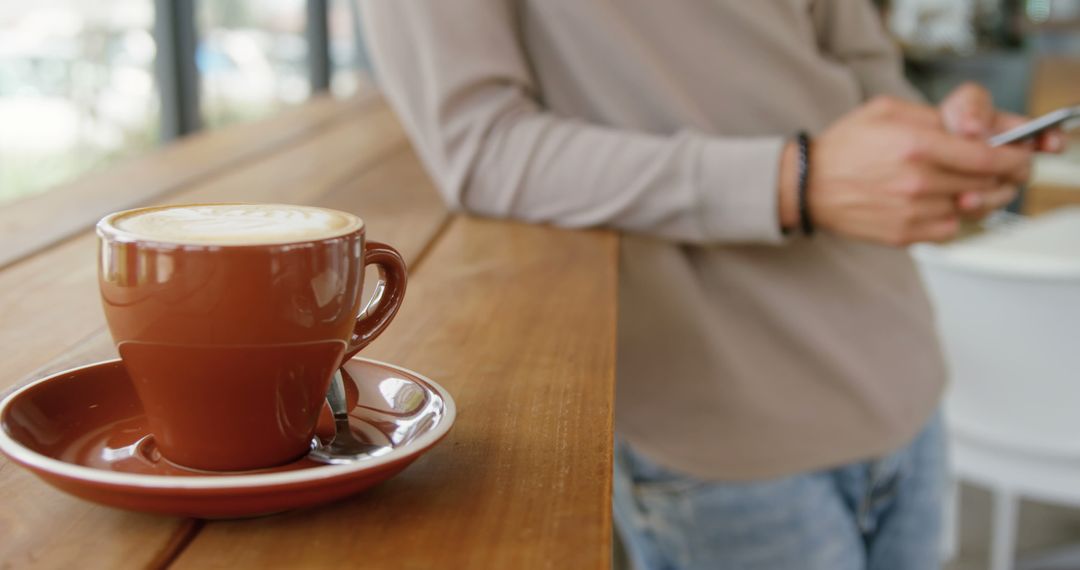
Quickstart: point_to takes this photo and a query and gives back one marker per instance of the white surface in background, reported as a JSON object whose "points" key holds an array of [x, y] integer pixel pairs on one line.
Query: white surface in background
{"points": [[1059, 169], [934, 25], [1047, 245], [1008, 314]]}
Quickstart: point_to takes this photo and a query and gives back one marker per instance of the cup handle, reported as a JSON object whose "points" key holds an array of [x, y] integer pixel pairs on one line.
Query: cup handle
{"points": [[385, 301]]}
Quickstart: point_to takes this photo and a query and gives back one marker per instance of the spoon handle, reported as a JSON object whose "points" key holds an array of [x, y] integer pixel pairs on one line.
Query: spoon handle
{"points": [[336, 396]]}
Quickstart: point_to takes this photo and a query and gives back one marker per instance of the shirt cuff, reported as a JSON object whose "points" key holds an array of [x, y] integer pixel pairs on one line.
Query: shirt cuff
{"points": [[738, 189]]}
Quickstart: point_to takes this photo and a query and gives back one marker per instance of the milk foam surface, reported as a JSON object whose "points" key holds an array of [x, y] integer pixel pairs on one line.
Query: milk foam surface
{"points": [[236, 224]]}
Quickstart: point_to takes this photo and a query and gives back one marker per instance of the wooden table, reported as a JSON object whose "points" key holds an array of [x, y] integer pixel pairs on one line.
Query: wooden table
{"points": [[1055, 84], [516, 321]]}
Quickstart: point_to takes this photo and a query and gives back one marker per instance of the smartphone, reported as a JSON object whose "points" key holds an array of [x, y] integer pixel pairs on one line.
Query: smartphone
{"points": [[1036, 126]]}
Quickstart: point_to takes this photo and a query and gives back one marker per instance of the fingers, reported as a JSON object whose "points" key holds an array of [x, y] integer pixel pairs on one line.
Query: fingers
{"points": [[1011, 163], [938, 230], [1051, 140], [907, 112], [1006, 121], [970, 205], [982, 203], [970, 202], [1002, 197], [969, 111], [935, 207], [937, 218], [890, 172], [936, 182]]}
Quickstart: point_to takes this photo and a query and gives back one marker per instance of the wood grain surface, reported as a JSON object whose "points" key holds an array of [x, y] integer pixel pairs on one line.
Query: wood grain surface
{"points": [[53, 321], [1043, 197], [1055, 83], [518, 323]]}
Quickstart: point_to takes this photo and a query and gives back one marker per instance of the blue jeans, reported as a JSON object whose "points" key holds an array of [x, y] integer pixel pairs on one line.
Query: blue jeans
{"points": [[883, 514]]}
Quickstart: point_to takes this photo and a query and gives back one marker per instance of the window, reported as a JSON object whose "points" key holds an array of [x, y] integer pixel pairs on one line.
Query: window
{"points": [[77, 89], [78, 83], [351, 66], [252, 58]]}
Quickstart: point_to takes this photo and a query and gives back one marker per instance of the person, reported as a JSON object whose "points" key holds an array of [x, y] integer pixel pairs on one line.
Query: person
{"points": [[778, 377]]}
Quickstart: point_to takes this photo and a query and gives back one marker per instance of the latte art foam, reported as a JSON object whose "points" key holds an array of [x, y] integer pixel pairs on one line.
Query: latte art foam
{"points": [[236, 224]]}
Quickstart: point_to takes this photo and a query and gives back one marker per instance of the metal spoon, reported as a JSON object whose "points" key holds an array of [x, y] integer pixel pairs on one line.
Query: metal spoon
{"points": [[345, 447]]}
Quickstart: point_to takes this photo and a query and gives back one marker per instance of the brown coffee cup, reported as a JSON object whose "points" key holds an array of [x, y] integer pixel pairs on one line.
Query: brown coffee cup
{"points": [[231, 345]]}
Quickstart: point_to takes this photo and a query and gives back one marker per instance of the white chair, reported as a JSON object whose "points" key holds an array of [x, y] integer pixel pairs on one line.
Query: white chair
{"points": [[1008, 312]]}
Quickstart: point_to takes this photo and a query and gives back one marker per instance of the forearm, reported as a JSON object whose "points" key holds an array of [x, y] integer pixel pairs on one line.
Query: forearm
{"points": [[685, 187], [457, 78]]}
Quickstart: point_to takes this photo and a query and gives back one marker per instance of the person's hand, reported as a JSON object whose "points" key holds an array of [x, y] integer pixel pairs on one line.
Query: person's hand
{"points": [[889, 172], [969, 111]]}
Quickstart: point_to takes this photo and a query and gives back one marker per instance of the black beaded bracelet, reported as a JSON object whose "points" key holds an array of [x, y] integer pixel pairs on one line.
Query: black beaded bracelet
{"points": [[805, 223]]}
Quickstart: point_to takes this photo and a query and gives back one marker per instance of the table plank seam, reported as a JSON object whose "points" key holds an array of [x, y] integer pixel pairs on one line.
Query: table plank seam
{"points": [[185, 533], [365, 166], [437, 235]]}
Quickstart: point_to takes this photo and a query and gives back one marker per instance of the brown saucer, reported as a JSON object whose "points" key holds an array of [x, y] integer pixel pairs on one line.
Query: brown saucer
{"points": [[84, 432]]}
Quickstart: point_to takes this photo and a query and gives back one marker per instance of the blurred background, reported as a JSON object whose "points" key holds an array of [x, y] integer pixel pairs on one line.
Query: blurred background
{"points": [[81, 84], [993, 42], [86, 84]]}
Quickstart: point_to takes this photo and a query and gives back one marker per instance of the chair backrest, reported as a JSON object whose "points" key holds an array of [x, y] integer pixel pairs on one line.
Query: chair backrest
{"points": [[1010, 329]]}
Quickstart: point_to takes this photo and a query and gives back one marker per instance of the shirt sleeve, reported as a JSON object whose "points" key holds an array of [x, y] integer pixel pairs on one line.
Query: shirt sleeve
{"points": [[457, 76], [852, 32]]}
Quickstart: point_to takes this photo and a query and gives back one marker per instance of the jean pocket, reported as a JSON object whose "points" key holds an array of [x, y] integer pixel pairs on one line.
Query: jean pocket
{"points": [[668, 487], [650, 478]]}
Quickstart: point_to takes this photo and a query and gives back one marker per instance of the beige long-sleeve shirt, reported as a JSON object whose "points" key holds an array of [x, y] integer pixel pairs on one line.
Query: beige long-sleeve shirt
{"points": [[741, 354]]}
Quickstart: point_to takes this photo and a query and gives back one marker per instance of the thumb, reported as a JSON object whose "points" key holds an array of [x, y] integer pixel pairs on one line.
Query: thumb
{"points": [[968, 111]]}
